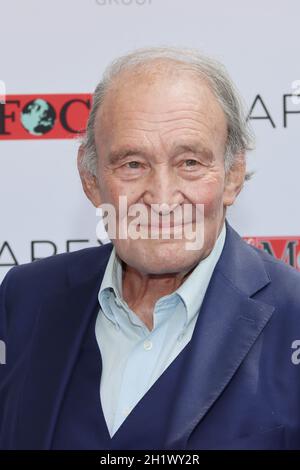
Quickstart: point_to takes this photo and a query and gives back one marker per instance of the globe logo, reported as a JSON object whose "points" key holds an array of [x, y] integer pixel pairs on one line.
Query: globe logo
{"points": [[38, 117]]}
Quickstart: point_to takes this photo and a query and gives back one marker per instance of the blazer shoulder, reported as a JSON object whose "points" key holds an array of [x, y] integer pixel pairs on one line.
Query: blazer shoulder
{"points": [[285, 287], [278, 269], [25, 286], [261, 275], [52, 271]]}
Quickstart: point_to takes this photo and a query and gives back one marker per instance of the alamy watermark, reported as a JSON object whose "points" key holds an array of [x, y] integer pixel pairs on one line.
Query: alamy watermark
{"points": [[2, 92], [296, 354], [157, 221], [2, 353], [296, 92]]}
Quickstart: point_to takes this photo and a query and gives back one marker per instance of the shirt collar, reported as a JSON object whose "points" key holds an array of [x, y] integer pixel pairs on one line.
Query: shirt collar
{"points": [[190, 296], [193, 289], [111, 282]]}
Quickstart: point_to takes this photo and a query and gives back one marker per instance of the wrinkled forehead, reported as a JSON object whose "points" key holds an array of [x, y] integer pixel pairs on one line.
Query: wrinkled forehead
{"points": [[157, 94]]}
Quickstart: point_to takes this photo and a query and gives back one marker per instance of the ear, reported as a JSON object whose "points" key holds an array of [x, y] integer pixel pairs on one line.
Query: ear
{"points": [[234, 180], [88, 180]]}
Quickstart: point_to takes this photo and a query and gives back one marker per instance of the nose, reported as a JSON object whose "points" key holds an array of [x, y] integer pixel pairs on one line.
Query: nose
{"points": [[163, 188]]}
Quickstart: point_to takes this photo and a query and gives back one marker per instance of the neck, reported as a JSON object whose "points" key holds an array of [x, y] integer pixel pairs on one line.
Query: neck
{"points": [[141, 291]]}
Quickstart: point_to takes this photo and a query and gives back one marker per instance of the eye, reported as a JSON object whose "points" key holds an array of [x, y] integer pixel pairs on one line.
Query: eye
{"points": [[131, 169], [191, 162], [133, 164]]}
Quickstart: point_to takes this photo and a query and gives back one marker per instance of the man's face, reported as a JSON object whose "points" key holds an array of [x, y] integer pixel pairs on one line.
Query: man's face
{"points": [[161, 139]]}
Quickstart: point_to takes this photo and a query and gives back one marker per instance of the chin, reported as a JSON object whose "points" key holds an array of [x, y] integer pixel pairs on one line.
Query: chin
{"points": [[161, 257]]}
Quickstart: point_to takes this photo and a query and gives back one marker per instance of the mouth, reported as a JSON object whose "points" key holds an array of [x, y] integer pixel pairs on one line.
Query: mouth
{"points": [[165, 224], [177, 230], [161, 226]]}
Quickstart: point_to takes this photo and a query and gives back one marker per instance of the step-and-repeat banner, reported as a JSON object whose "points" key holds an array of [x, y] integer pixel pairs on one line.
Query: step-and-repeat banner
{"points": [[53, 55]]}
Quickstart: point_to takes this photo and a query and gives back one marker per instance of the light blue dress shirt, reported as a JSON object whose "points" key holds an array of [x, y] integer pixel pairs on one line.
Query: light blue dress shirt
{"points": [[133, 357]]}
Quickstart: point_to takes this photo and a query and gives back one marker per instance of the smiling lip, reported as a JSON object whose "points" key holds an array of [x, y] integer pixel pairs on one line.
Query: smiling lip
{"points": [[163, 225]]}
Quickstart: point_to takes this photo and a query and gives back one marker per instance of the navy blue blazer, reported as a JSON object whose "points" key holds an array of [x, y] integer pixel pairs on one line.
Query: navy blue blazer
{"points": [[239, 390]]}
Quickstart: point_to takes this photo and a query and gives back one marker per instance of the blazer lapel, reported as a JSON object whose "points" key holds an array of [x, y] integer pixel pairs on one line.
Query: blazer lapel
{"points": [[229, 323], [56, 342]]}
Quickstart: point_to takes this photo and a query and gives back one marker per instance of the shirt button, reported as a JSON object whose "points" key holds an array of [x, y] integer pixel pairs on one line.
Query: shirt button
{"points": [[148, 345]]}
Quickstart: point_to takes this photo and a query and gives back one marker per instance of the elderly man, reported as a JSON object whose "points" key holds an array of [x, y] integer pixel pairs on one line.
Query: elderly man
{"points": [[146, 343]]}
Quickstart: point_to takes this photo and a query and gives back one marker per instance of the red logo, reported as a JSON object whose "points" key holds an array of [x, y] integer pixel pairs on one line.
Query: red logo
{"points": [[44, 116], [286, 249]]}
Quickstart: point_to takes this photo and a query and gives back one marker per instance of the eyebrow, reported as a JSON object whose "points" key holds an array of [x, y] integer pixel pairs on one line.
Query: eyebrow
{"points": [[118, 155], [195, 147]]}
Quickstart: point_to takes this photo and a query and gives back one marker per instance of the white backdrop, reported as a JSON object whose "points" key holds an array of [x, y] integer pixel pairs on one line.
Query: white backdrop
{"points": [[62, 46]]}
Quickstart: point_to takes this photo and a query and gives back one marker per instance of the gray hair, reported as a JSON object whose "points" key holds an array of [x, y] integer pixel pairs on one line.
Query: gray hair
{"points": [[240, 137]]}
